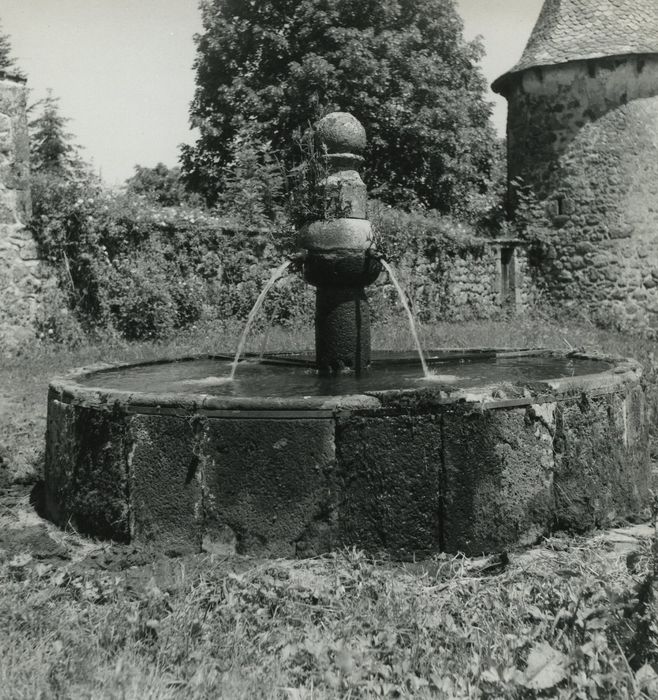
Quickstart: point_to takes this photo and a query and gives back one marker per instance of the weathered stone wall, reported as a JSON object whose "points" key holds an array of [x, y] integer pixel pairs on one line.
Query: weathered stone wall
{"points": [[20, 270], [475, 283], [584, 137]]}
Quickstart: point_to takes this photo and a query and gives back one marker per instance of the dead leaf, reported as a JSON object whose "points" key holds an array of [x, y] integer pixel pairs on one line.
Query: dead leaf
{"points": [[546, 667], [20, 561], [648, 680], [490, 676], [534, 612]]}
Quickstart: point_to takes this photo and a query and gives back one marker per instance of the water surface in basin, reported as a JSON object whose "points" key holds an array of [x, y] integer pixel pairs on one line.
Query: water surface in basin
{"points": [[276, 378]]}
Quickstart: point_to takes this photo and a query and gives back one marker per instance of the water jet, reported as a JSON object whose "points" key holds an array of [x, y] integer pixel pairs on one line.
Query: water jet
{"points": [[486, 450]]}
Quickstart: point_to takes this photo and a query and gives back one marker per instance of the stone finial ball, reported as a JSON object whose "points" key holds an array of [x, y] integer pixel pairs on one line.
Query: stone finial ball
{"points": [[340, 132]]}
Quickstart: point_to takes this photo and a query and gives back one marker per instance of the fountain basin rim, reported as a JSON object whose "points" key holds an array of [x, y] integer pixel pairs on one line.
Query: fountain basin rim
{"points": [[68, 389]]}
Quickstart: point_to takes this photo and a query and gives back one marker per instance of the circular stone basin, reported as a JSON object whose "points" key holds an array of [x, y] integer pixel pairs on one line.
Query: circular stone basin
{"points": [[494, 450]]}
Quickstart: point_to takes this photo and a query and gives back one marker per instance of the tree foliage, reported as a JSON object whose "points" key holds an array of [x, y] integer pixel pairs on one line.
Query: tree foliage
{"points": [[401, 67], [52, 150], [7, 60], [160, 184]]}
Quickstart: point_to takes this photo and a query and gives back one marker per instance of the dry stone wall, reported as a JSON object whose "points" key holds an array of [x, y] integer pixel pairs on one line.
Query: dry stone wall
{"points": [[474, 283], [583, 136], [21, 276]]}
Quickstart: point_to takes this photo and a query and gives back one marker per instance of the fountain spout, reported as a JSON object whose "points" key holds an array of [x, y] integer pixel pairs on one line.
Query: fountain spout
{"points": [[338, 260]]}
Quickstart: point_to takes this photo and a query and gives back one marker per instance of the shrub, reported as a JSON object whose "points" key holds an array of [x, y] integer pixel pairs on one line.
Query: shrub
{"points": [[161, 185], [422, 247], [419, 233], [55, 322], [139, 299], [127, 264]]}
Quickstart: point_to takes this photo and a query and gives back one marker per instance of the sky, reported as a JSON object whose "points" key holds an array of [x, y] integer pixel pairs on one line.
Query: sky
{"points": [[122, 69]]}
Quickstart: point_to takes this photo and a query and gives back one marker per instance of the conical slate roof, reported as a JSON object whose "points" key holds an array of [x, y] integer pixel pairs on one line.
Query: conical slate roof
{"points": [[573, 30]]}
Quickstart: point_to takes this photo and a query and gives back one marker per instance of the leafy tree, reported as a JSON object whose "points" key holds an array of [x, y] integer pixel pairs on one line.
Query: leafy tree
{"points": [[160, 184], [7, 61], [401, 67], [52, 151]]}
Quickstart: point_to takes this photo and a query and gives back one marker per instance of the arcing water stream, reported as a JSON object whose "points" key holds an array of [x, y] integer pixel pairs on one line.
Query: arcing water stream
{"points": [[278, 273], [412, 324]]}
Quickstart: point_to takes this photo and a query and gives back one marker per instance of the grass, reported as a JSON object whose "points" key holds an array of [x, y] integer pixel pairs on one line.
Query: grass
{"points": [[573, 618], [339, 626]]}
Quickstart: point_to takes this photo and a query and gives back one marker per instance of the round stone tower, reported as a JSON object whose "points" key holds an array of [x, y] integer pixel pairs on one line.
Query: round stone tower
{"points": [[582, 136]]}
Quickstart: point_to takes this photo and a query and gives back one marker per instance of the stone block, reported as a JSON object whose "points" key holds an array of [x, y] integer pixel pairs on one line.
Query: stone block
{"points": [[337, 234], [498, 477], [389, 476], [600, 446], [86, 470], [621, 231], [552, 209], [270, 481], [346, 195], [6, 137], [15, 177], [60, 459], [8, 210], [165, 487]]}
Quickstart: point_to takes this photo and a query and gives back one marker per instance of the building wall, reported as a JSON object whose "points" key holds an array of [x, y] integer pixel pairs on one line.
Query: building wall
{"points": [[584, 137], [20, 270]]}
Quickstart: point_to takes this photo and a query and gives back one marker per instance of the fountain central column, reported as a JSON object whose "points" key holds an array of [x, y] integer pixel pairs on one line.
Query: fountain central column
{"points": [[339, 260]]}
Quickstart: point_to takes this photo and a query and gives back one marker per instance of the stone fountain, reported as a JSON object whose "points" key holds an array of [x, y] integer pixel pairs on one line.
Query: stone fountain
{"points": [[298, 456], [339, 258]]}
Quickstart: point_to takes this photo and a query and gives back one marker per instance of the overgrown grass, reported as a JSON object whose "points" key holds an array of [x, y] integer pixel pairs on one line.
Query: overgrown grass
{"points": [[568, 620]]}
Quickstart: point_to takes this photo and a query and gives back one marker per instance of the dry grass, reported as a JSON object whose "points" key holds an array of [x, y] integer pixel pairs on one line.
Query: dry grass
{"points": [[338, 626]]}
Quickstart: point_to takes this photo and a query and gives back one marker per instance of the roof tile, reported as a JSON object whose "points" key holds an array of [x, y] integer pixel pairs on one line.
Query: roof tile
{"points": [[572, 30]]}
